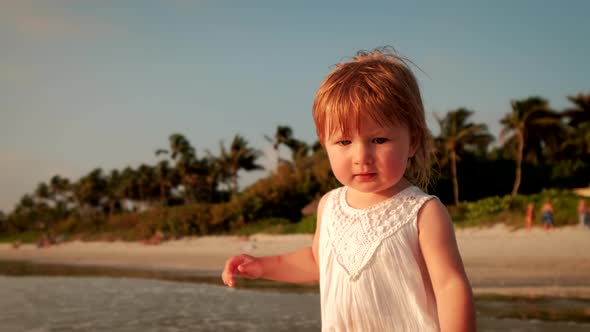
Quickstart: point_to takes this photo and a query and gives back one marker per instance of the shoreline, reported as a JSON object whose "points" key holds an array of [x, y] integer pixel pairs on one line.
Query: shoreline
{"points": [[35, 268], [499, 261]]}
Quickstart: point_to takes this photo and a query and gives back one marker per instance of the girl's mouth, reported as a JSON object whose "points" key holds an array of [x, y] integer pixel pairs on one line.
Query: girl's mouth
{"points": [[365, 176]]}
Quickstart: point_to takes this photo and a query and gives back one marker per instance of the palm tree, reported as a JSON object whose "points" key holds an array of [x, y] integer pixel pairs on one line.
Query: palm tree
{"points": [[213, 173], [148, 183], [282, 135], [299, 149], [185, 158], [127, 188], [531, 122], [457, 136], [580, 113], [164, 179], [90, 190], [123, 186], [114, 193], [579, 125], [26, 204], [61, 189], [239, 157], [43, 194], [24, 214]]}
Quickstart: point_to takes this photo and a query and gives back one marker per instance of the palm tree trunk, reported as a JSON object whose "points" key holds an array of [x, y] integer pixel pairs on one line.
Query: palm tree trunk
{"points": [[234, 184], [455, 180], [188, 189], [520, 137], [212, 182], [162, 197], [111, 209]]}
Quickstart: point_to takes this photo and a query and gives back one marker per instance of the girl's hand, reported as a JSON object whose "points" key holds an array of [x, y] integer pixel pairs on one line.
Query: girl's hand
{"points": [[243, 265]]}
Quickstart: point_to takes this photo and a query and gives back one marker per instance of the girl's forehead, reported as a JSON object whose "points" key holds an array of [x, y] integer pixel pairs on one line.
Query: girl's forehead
{"points": [[356, 126]]}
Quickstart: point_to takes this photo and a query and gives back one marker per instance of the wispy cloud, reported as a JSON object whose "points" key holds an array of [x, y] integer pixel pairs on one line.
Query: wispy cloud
{"points": [[16, 72], [51, 20]]}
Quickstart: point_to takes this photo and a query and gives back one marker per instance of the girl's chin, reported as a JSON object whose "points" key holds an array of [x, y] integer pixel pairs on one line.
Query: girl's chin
{"points": [[371, 187], [368, 188]]}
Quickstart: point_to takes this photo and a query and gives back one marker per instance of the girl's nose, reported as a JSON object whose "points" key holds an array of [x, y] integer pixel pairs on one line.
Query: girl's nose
{"points": [[363, 154]]}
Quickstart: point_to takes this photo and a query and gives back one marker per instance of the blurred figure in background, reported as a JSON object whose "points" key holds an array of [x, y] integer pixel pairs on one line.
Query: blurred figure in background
{"points": [[530, 216], [583, 214], [547, 213]]}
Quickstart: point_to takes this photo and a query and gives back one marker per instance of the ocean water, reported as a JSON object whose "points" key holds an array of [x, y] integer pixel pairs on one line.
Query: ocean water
{"points": [[105, 303], [118, 304]]}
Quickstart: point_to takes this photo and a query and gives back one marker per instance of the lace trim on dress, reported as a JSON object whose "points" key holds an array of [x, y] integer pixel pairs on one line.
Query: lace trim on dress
{"points": [[355, 234]]}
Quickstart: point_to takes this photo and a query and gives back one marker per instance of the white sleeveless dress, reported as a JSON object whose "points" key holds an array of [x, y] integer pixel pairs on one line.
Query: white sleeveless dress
{"points": [[372, 273]]}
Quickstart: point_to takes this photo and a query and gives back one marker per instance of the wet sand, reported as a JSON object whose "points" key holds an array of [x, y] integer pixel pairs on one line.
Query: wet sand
{"points": [[498, 260]]}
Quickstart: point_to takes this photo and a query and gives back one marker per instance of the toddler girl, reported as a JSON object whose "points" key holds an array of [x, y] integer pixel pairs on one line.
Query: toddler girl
{"points": [[384, 252]]}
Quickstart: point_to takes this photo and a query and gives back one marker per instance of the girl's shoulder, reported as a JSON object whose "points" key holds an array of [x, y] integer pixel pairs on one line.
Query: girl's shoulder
{"points": [[433, 213]]}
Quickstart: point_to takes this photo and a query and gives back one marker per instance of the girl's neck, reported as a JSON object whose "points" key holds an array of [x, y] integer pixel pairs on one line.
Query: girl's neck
{"points": [[361, 200]]}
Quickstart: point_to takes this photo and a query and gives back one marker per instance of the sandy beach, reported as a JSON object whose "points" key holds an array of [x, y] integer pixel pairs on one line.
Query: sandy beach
{"points": [[498, 260]]}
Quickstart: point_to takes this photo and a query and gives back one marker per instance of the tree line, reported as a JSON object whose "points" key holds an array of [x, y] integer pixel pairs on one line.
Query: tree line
{"points": [[540, 147]]}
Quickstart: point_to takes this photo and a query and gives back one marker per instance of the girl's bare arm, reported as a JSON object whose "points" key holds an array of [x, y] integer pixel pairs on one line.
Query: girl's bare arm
{"points": [[456, 311], [296, 267]]}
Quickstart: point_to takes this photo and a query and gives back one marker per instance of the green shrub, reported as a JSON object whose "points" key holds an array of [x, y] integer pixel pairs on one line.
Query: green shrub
{"points": [[23, 237], [306, 225], [226, 216], [487, 206], [279, 226], [511, 210]]}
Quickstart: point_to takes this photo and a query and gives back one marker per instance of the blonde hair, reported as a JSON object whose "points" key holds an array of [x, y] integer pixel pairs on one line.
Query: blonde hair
{"points": [[378, 84]]}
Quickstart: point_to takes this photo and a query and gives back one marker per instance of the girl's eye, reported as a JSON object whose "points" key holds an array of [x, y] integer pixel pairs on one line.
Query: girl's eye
{"points": [[380, 140], [343, 142]]}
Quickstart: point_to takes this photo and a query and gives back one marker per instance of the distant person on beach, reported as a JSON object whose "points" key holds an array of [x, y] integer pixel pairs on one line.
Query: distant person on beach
{"points": [[583, 214], [547, 213], [45, 241], [530, 216], [156, 239], [384, 252]]}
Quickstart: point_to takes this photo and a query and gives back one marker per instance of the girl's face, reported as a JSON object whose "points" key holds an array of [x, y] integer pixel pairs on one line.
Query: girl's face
{"points": [[371, 161]]}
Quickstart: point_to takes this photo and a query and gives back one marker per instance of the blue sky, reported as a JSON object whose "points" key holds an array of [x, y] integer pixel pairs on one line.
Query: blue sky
{"points": [[86, 84]]}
